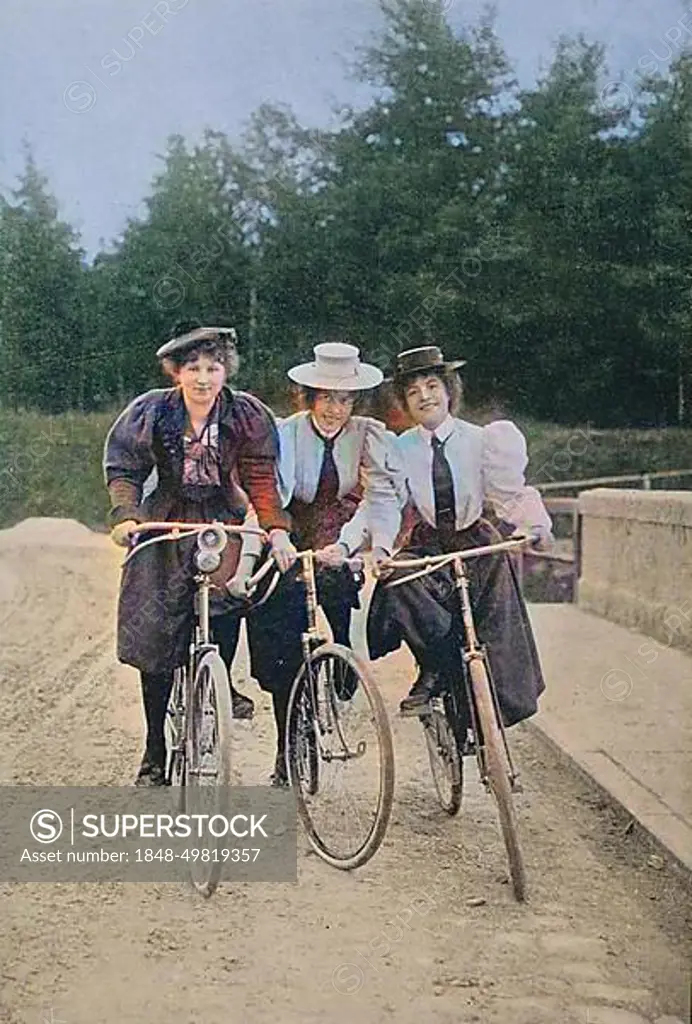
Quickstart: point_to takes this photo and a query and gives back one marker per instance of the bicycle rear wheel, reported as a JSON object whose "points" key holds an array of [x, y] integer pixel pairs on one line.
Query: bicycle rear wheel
{"points": [[445, 761], [208, 762], [340, 757], [499, 773]]}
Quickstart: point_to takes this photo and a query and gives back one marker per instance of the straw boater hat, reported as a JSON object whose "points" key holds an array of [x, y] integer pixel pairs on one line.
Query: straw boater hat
{"points": [[419, 360], [226, 335], [336, 367]]}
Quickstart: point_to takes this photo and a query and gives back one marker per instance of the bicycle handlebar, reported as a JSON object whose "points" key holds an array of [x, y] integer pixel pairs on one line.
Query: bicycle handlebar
{"points": [[355, 564], [173, 527], [180, 531], [431, 563]]}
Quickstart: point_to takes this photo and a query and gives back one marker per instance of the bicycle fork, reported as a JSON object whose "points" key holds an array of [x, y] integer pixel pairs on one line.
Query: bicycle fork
{"points": [[327, 720], [474, 651]]}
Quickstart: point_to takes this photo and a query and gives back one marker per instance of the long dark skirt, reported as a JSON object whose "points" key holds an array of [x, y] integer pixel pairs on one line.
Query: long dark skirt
{"points": [[425, 615], [337, 595], [155, 607], [155, 603]]}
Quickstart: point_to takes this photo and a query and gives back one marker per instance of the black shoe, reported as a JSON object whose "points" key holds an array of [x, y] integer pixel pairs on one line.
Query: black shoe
{"points": [[151, 774], [279, 777], [243, 707], [426, 686]]}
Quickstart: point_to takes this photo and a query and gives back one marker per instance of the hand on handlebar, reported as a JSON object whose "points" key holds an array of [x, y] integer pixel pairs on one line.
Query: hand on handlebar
{"points": [[283, 550], [239, 584], [333, 555], [122, 533], [541, 538], [380, 560]]}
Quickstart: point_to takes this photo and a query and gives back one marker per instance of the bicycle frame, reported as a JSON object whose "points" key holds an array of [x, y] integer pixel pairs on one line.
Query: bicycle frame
{"points": [[471, 649], [200, 640], [311, 640]]}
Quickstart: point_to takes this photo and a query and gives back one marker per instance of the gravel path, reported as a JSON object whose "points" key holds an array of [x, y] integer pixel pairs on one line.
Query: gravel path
{"points": [[426, 931]]}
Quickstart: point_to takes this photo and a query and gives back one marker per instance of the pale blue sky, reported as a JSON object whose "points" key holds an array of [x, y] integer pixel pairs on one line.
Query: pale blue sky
{"points": [[96, 119]]}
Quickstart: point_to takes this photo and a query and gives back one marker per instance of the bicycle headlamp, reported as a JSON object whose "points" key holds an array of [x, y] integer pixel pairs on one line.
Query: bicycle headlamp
{"points": [[207, 561], [210, 544], [212, 539]]}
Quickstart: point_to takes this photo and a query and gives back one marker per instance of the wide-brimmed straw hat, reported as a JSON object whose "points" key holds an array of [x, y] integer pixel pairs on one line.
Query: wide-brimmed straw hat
{"points": [[224, 335], [336, 367], [419, 360]]}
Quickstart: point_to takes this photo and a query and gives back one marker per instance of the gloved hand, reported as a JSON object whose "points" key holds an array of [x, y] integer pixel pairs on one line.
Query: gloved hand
{"points": [[237, 586], [333, 555], [543, 539], [379, 555], [120, 534], [283, 550]]}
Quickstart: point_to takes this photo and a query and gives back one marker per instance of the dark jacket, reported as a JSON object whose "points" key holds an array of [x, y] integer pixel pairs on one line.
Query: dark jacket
{"points": [[155, 604], [149, 433]]}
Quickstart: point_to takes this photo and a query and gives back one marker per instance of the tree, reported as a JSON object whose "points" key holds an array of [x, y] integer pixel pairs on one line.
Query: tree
{"points": [[41, 310], [187, 260], [666, 157]]}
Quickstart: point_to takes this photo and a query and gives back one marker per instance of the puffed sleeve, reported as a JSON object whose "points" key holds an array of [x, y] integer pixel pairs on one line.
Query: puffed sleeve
{"points": [[377, 519], [504, 464], [128, 457], [258, 457]]}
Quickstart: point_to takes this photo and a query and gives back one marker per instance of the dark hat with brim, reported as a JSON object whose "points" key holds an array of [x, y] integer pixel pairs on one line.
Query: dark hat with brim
{"points": [[224, 335], [421, 360]]}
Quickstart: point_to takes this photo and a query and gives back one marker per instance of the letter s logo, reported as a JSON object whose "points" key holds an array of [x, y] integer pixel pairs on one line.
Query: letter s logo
{"points": [[46, 826]]}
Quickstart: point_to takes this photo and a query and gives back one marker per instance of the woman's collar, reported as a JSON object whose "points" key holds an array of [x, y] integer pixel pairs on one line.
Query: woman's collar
{"points": [[321, 434], [441, 432]]}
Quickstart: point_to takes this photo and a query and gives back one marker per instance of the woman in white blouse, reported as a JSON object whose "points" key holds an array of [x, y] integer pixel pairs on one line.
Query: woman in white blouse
{"points": [[335, 481], [462, 485]]}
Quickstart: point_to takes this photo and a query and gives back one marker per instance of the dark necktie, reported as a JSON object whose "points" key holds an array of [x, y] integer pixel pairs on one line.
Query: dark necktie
{"points": [[443, 490], [328, 485]]}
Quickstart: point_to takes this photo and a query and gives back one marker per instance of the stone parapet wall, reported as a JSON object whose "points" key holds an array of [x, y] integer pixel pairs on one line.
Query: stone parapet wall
{"points": [[636, 566]]}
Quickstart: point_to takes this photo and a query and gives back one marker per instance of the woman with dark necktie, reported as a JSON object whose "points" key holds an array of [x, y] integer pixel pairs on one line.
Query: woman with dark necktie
{"points": [[339, 492], [461, 486], [337, 485]]}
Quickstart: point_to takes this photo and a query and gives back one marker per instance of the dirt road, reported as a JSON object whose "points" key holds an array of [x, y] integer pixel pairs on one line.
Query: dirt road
{"points": [[603, 940]]}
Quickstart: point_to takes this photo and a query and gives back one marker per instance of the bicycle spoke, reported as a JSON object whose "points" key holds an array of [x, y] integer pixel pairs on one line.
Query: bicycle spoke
{"points": [[346, 803]]}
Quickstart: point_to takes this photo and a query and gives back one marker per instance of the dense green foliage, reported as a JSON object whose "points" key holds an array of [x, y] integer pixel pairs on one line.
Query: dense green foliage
{"points": [[545, 235]]}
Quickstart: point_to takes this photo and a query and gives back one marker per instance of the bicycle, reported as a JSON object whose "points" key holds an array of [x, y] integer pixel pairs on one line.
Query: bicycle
{"points": [[442, 719], [199, 714], [324, 710]]}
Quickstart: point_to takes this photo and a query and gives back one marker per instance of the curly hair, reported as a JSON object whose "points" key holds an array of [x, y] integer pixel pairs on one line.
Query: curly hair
{"points": [[450, 379]]}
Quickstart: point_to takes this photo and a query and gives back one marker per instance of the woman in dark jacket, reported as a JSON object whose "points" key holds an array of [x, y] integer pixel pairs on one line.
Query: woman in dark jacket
{"points": [[212, 449]]}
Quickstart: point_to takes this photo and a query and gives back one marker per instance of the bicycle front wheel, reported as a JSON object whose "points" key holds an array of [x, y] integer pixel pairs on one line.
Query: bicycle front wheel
{"points": [[208, 762], [174, 733], [499, 774], [340, 757]]}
